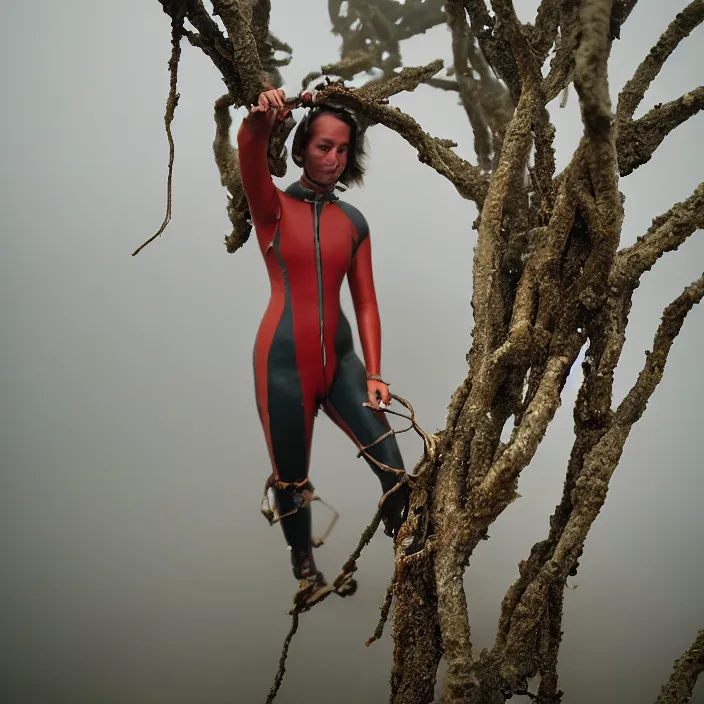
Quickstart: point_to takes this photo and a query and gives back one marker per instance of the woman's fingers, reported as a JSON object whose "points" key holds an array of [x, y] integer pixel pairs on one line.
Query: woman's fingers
{"points": [[275, 99], [371, 397]]}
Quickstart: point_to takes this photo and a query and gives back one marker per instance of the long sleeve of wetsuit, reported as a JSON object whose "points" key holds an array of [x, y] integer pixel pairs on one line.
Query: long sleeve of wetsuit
{"points": [[253, 143], [361, 282]]}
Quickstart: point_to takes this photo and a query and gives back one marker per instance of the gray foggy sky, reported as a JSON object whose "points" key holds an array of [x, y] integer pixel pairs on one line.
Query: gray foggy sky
{"points": [[136, 566]]}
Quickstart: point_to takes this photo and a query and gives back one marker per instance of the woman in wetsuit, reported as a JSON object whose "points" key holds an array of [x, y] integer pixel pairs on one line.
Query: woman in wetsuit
{"points": [[303, 354]]}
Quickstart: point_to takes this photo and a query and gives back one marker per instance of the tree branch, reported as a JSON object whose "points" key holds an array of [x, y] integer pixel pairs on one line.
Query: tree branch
{"points": [[667, 232], [215, 45], [562, 63], [408, 79], [687, 668], [526, 64], [637, 140], [599, 465], [237, 18], [494, 46], [591, 84], [176, 10], [633, 405], [436, 153], [468, 86], [227, 161], [544, 33], [486, 297], [633, 92], [346, 68], [530, 432]]}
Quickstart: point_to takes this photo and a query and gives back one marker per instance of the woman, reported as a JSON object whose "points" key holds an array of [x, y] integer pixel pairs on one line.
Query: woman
{"points": [[303, 354]]}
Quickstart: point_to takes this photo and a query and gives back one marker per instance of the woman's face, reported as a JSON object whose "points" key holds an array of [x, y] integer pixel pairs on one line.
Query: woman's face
{"points": [[325, 157]]}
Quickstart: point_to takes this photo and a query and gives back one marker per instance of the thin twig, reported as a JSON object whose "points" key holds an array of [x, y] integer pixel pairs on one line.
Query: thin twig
{"points": [[282, 660], [171, 103], [385, 608]]}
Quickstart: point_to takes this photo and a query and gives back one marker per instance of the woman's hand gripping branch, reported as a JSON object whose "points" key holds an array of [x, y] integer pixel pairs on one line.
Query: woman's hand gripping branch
{"points": [[378, 392]]}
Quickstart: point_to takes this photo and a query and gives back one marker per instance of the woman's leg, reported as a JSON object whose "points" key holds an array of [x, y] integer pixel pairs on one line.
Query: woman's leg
{"points": [[287, 410], [344, 405]]}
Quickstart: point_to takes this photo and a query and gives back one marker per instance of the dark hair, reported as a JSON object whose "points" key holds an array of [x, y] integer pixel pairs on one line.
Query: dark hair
{"points": [[353, 175]]}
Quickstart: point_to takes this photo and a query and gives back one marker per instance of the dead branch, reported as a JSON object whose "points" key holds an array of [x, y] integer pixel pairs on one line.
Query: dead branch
{"points": [[638, 139], [177, 18], [432, 151], [468, 86], [494, 46], [591, 487], [633, 92], [544, 34], [408, 79], [347, 68], [633, 405], [237, 18], [687, 668], [228, 164], [295, 618], [667, 232], [562, 63], [214, 43], [384, 608]]}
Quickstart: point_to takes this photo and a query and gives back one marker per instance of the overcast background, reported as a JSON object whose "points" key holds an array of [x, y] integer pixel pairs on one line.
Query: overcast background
{"points": [[136, 567]]}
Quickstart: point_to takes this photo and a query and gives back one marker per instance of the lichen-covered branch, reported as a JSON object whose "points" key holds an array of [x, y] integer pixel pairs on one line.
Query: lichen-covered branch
{"points": [[599, 465], [667, 232], [494, 45], [633, 92], [678, 689], [228, 164], [529, 628], [237, 17], [544, 34], [408, 79], [633, 405], [346, 68], [637, 140], [486, 298], [468, 86], [591, 84], [562, 63], [211, 41], [434, 152]]}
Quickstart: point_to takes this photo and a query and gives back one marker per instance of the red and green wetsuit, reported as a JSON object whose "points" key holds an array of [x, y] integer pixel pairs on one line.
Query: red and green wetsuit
{"points": [[304, 358]]}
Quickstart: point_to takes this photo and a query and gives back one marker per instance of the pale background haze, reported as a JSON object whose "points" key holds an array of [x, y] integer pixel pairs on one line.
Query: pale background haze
{"points": [[136, 567]]}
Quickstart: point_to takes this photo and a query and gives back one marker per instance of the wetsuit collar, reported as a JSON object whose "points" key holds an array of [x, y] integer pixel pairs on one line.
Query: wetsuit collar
{"points": [[301, 192]]}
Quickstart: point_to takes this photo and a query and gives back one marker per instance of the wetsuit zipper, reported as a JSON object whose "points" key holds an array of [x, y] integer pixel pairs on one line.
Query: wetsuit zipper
{"points": [[319, 268]]}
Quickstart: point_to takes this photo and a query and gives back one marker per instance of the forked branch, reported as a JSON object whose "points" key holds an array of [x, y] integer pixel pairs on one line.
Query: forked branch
{"points": [[633, 92]]}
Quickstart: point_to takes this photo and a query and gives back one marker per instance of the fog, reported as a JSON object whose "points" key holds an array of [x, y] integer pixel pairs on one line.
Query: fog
{"points": [[137, 568]]}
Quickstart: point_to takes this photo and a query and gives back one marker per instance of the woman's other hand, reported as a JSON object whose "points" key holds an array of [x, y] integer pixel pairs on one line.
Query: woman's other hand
{"points": [[378, 393]]}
